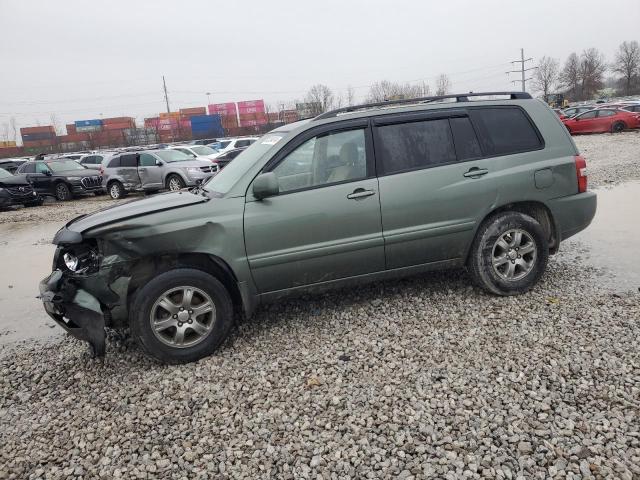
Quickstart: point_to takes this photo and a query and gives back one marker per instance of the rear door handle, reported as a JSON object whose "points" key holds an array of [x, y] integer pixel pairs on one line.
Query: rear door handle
{"points": [[360, 193], [476, 172]]}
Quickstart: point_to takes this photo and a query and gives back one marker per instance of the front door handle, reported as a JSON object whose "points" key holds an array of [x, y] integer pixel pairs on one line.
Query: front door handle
{"points": [[476, 172], [360, 193]]}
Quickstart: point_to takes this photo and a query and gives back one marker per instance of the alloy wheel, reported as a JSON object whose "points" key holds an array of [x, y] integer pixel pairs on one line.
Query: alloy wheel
{"points": [[183, 316], [514, 254]]}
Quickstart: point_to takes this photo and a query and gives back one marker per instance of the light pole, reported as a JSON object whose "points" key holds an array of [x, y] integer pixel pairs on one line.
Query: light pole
{"points": [[208, 99]]}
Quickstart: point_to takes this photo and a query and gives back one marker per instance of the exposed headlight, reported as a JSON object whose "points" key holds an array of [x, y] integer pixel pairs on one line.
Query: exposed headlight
{"points": [[74, 179], [71, 261], [193, 170], [81, 260]]}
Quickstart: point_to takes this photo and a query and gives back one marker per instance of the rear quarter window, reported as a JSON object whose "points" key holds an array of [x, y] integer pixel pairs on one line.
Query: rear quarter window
{"points": [[505, 130], [114, 163]]}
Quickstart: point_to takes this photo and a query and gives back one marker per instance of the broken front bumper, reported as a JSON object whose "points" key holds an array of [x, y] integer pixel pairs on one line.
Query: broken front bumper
{"points": [[75, 310]]}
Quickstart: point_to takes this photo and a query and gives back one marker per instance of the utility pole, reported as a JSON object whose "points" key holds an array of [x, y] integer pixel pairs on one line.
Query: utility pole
{"points": [[166, 96], [522, 70]]}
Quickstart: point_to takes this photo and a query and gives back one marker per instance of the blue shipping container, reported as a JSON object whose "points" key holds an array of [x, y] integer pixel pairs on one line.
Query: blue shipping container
{"points": [[207, 119], [208, 129], [88, 123]]}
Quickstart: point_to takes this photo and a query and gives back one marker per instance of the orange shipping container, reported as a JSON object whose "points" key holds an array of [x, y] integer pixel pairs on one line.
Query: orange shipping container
{"points": [[188, 112], [170, 115], [108, 121], [7, 144], [43, 129], [39, 143], [71, 128], [118, 126]]}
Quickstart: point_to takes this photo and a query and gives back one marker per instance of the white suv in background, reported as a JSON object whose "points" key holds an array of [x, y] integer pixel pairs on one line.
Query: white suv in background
{"points": [[226, 144], [201, 152]]}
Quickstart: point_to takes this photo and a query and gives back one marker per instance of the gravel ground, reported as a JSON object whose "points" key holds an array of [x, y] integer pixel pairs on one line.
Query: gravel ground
{"points": [[611, 158], [418, 378], [61, 212]]}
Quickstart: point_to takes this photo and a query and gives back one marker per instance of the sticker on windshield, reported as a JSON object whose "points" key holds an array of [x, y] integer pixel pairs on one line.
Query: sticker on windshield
{"points": [[270, 140]]}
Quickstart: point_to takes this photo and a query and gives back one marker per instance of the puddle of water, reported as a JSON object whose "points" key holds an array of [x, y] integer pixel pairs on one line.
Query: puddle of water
{"points": [[26, 254], [612, 241]]}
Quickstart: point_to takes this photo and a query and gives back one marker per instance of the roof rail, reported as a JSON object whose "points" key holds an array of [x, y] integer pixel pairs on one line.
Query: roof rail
{"points": [[460, 97]]}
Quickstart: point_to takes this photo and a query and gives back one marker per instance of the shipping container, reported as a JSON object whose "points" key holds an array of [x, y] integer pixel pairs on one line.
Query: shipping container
{"points": [[39, 143], [89, 128], [41, 129], [189, 112], [31, 137], [251, 106], [88, 123], [151, 122], [164, 115], [9, 152], [73, 137], [206, 126], [7, 144], [71, 128], [118, 120], [117, 126]]}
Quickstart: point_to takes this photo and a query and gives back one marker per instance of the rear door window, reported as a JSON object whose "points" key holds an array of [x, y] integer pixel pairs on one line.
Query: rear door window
{"points": [[464, 137], [505, 130], [128, 160], [414, 145], [114, 163]]}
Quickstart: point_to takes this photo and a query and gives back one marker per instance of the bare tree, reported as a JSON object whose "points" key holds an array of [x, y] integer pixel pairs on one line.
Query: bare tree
{"points": [[592, 69], [14, 128], [55, 123], [385, 90], [570, 76], [546, 75], [5, 131], [321, 98], [350, 97], [627, 63], [443, 84]]}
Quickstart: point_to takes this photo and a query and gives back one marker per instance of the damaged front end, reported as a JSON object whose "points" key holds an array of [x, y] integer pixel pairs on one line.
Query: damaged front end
{"points": [[87, 290]]}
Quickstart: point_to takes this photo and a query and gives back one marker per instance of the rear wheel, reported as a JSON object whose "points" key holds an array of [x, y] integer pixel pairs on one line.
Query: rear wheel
{"points": [[181, 316], [175, 182], [509, 254], [618, 127], [63, 192], [116, 190]]}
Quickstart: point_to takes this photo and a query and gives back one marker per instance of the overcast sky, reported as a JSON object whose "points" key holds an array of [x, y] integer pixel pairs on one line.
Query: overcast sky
{"points": [[84, 59]]}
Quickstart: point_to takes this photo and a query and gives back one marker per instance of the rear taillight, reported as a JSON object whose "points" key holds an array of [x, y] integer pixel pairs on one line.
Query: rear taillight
{"points": [[581, 172]]}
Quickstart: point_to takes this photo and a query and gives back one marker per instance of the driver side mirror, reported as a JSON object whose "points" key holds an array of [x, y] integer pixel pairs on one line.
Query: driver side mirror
{"points": [[266, 185], [48, 173], [159, 163]]}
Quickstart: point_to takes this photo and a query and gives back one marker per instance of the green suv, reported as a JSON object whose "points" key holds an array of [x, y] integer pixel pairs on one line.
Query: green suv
{"points": [[491, 182]]}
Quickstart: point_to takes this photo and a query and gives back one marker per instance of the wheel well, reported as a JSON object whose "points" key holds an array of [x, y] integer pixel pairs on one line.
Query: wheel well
{"points": [[148, 267], [536, 210], [112, 181]]}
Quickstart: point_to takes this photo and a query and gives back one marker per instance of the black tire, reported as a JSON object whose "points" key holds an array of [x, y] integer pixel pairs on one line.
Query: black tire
{"points": [[618, 127], [143, 305], [116, 190], [485, 245], [63, 192], [175, 182]]}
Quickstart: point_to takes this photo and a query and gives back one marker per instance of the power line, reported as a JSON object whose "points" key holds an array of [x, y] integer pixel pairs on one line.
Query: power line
{"points": [[522, 70]]}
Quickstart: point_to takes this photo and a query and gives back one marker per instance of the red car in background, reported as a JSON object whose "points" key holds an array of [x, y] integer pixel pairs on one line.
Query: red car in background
{"points": [[602, 120]]}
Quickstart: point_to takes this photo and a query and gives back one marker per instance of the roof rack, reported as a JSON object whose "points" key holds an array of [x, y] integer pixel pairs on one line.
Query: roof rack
{"points": [[459, 97]]}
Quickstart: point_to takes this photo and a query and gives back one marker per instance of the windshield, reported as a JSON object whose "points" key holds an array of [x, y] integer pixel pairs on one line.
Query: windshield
{"points": [[65, 165], [203, 150], [4, 173], [173, 155], [229, 176]]}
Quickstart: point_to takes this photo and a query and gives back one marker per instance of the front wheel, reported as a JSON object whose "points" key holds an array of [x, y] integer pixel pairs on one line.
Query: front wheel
{"points": [[175, 183], [509, 254], [116, 190], [63, 193], [181, 316], [618, 127]]}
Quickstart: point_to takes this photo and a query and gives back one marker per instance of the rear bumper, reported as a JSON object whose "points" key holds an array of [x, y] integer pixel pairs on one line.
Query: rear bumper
{"points": [[574, 213], [75, 310]]}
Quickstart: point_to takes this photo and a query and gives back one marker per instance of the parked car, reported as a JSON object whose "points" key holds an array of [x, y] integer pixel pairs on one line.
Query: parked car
{"points": [[573, 111], [94, 161], [224, 145], [197, 151], [357, 194], [602, 120], [11, 165], [560, 113], [203, 141], [153, 170], [632, 108], [16, 190], [62, 178], [224, 159]]}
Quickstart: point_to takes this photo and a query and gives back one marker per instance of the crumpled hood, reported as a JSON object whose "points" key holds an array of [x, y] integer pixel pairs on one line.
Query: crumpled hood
{"points": [[135, 208], [15, 181]]}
